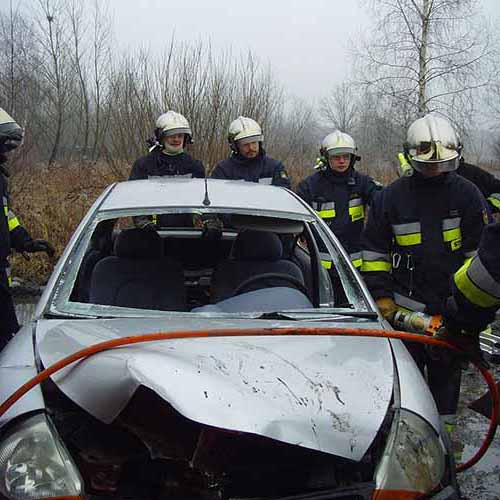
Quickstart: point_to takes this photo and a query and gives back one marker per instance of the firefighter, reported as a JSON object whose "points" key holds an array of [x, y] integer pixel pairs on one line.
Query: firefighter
{"points": [[339, 193], [419, 232], [476, 287], [248, 160], [12, 234], [167, 157], [487, 183]]}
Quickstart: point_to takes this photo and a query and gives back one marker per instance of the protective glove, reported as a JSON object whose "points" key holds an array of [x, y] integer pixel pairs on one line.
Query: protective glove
{"points": [[387, 307], [33, 246], [212, 227]]}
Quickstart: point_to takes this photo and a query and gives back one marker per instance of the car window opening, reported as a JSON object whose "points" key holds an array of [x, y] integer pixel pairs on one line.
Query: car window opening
{"points": [[206, 262]]}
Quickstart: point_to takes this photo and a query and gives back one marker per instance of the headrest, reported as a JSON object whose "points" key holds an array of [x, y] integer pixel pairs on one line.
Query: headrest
{"points": [[138, 244], [252, 245]]}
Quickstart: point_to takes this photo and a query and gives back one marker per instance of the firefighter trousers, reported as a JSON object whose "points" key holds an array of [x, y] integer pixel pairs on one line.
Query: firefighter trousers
{"points": [[8, 319]]}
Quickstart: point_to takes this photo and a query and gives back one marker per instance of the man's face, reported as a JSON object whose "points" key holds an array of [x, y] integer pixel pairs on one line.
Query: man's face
{"points": [[175, 141], [249, 150], [340, 163], [431, 170]]}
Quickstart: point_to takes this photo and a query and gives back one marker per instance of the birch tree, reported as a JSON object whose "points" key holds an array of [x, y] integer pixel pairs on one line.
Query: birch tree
{"points": [[426, 55]]}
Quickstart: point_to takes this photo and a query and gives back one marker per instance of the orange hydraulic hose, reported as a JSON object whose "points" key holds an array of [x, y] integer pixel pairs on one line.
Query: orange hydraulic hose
{"points": [[255, 332]]}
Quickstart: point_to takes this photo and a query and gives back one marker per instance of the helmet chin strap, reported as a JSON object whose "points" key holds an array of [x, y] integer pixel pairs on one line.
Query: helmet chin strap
{"points": [[173, 150]]}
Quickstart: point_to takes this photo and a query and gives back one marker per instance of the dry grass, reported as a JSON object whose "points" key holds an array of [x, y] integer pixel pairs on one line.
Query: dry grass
{"points": [[50, 203]]}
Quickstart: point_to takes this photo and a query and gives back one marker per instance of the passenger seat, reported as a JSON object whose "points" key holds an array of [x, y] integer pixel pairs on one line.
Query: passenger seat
{"points": [[138, 275]]}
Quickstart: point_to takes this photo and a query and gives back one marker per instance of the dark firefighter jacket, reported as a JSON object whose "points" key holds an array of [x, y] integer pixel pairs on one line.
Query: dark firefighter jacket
{"points": [[419, 232], [476, 285], [487, 183], [341, 201], [158, 164], [262, 169], [12, 234]]}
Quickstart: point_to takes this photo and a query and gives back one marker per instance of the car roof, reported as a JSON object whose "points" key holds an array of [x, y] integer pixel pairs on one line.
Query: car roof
{"points": [[182, 192]]}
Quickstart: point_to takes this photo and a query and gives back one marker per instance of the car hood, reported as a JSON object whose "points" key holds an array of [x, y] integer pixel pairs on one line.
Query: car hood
{"points": [[329, 394]]}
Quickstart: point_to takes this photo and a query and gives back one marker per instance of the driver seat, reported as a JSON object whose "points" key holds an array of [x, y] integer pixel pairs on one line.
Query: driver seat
{"points": [[253, 253]]}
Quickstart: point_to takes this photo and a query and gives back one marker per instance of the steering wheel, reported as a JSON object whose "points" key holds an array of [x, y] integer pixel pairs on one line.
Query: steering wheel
{"points": [[291, 280]]}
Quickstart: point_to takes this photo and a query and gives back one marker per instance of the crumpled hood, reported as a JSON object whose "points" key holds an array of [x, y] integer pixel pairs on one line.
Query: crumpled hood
{"points": [[324, 393]]}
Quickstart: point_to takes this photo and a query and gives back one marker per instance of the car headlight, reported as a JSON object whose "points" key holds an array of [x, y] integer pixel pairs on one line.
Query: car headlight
{"points": [[413, 462], [35, 464]]}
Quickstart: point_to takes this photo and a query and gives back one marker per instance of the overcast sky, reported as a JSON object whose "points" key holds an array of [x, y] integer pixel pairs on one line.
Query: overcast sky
{"points": [[305, 41]]}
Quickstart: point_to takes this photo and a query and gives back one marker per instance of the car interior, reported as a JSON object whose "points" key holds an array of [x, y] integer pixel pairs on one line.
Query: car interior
{"points": [[233, 269]]}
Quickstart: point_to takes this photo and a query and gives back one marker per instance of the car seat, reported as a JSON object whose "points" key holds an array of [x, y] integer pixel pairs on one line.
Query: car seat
{"points": [[253, 253], [138, 275]]}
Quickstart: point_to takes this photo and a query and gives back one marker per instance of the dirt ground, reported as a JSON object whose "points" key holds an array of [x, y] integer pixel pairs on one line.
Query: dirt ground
{"points": [[482, 482]]}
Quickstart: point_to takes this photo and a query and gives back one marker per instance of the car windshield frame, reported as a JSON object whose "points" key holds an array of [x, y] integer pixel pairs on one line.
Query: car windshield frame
{"points": [[58, 303]]}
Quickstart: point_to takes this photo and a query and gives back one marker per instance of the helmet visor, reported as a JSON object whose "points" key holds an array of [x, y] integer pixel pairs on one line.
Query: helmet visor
{"points": [[434, 155], [251, 138], [340, 151]]}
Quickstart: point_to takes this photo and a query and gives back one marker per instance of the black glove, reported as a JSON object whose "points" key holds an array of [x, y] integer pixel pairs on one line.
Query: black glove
{"points": [[33, 246], [212, 227]]}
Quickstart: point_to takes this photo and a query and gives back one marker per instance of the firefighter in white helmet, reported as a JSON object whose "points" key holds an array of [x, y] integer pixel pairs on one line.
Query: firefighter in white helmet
{"points": [[12, 234], [248, 160], [167, 157], [420, 231], [339, 193]]}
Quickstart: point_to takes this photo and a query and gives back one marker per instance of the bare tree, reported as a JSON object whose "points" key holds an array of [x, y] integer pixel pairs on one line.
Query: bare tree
{"points": [[341, 107], [426, 55], [78, 28], [55, 68]]}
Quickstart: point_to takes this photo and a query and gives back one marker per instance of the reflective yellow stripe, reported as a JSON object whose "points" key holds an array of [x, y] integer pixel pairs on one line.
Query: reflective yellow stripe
{"points": [[13, 220], [471, 290], [375, 261], [494, 199], [6, 211], [375, 265], [407, 234], [327, 214], [357, 263], [357, 213], [356, 259], [326, 260], [452, 234], [405, 240]]}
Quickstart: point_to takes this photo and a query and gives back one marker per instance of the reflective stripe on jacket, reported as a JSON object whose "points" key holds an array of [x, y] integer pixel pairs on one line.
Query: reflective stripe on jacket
{"points": [[12, 234]]}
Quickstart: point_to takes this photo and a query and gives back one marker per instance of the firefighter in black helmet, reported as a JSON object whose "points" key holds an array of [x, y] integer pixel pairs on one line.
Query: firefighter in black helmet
{"points": [[12, 234]]}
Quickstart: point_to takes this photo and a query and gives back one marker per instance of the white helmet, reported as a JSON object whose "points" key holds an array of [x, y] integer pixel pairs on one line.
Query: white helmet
{"points": [[11, 134], [432, 140], [338, 143], [172, 123], [244, 130]]}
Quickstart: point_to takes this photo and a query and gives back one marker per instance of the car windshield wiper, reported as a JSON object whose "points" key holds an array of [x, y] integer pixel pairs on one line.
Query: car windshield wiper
{"points": [[308, 315]]}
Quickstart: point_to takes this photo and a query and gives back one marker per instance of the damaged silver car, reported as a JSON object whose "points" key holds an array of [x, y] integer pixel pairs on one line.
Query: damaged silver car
{"points": [[296, 417]]}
